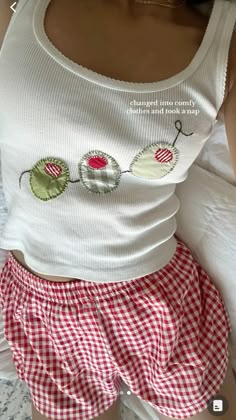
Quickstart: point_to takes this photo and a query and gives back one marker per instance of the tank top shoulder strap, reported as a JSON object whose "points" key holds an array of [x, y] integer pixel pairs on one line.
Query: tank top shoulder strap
{"points": [[220, 47]]}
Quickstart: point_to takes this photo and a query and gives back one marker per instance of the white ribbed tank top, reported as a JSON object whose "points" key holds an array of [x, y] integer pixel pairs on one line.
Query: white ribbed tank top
{"points": [[89, 163]]}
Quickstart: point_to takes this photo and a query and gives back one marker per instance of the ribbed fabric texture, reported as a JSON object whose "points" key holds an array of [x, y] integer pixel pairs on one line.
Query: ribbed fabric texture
{"points": [[89, 163]]}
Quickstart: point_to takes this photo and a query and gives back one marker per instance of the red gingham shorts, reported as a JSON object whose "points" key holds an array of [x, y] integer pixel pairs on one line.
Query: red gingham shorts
{"points": [[73, 343]]}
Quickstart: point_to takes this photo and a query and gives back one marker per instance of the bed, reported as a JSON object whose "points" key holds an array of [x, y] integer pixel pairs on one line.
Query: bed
{"points": [[211, 239]]}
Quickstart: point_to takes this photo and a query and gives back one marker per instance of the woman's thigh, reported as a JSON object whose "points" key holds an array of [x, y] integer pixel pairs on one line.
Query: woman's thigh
{"points": [[228, 391]]}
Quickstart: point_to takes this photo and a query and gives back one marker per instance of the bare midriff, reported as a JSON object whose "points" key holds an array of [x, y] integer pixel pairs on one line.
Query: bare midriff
{"points": [[19, 256], [123, 41]]}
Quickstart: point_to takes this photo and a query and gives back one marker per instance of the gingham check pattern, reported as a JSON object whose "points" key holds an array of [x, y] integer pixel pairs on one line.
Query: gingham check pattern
{"points": [[165, 335]]}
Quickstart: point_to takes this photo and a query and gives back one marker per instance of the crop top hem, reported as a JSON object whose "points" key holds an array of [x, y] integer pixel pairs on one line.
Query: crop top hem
{"points": [[146, 267]]}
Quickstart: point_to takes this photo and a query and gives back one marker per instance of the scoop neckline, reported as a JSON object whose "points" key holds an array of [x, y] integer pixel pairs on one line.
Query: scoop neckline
{"points": [[115, 84]]}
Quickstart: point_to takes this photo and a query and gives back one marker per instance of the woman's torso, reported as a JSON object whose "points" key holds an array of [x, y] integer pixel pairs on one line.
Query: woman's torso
{"points": [[117, 48]]}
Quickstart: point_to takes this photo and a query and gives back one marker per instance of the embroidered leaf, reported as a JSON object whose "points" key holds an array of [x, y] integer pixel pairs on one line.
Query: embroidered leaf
{"points": [[155, 161], [49, 178], [99, 172]]}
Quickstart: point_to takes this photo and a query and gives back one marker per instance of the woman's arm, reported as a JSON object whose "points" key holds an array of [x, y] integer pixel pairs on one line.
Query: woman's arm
{"points": [[230, 124], [230, 109]]}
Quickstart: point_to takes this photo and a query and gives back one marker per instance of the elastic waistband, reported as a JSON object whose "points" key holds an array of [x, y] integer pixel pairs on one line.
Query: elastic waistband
{"points": [[80, 290]]}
